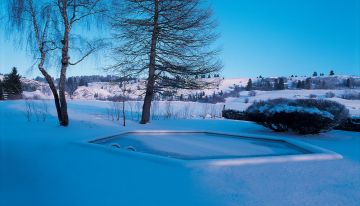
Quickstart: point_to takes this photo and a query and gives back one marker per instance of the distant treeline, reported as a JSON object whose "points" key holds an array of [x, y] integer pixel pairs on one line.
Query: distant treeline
{"points": [[72, 83], [260, 83], [280, 83]]}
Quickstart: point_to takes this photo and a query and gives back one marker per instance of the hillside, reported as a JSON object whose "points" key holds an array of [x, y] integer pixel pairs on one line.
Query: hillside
{"points": [[106, 90], [230, 93]]}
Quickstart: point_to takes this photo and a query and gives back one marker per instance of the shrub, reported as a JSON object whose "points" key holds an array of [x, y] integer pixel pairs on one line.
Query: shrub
{"points": [[351, 95], [234, 114], [304, 116], [246, 100], [252, 93], [329, 94], [350, 124], [312, 96]]}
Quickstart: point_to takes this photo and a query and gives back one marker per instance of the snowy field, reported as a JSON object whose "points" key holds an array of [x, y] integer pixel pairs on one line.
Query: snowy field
{"points": [[186, 110], [44, 164]]}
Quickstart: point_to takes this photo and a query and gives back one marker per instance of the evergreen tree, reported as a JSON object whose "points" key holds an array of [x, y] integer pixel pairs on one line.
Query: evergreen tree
{"points": [[349, 83], [307, 83], [221, 93], [332, 73], [83, 82], [323, 85], [315, 74], [276, 84], [249, 85], [1, 91], [181, 98], [281, 84], [12, 84], [71, 85]]}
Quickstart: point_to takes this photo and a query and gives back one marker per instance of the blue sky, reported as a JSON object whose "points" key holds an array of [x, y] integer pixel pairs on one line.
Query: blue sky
{"points": [[269, 38]]}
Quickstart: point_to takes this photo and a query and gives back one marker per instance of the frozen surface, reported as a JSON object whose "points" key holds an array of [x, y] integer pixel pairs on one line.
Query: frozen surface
{"points": [[200, 145], [42, 164]]}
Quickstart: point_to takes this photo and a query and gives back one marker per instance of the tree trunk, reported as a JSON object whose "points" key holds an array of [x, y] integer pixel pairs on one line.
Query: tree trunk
{"points": [[64, 66], [151, 79], [51, 84], [123, 110], [54, 92]]}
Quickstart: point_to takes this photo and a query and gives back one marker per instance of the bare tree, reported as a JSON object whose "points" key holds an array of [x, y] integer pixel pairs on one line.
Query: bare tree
{"points": [[49, 27], [125, 81], [169, 42]]}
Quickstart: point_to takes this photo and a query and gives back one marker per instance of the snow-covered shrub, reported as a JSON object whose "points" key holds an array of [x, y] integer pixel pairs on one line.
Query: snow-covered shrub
{"points": [[305, 116], [329, 94], [351, 95], [252, 93], [351, 124], [234, 114], [312, 96]]}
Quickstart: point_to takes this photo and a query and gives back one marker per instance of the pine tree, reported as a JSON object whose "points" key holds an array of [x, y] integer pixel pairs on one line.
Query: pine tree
{"points": [[332, 73], [307, 84], [281, 84], [349, 83], [12, 84], [1, 91], [315, 74], [276, 84], [249, 85]]}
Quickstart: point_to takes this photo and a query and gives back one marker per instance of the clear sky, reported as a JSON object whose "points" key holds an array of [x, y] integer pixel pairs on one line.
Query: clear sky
{"points": [[262, 37]]}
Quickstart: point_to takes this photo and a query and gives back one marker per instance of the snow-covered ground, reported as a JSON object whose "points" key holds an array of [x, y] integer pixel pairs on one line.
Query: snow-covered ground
{"points": [[44, 164]]}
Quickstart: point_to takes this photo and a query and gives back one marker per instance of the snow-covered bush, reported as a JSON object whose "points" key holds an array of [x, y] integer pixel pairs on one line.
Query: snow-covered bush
{"points": [[329, 94], [234, 114], [351, 124], [351, 95], [312, 96], [305, 116], [252, 93]]}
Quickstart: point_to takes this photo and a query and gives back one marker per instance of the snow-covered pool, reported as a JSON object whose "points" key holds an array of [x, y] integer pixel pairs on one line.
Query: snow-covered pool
{"points": [[206, 145]]}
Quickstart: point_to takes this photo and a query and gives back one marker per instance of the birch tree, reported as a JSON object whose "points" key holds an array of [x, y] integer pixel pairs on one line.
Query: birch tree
{"points": [[48, 27]]}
